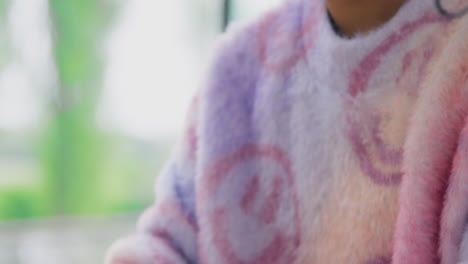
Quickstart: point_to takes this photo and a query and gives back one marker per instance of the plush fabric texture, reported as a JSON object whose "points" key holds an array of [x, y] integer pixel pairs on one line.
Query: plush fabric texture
{"points": [[306, 147]]}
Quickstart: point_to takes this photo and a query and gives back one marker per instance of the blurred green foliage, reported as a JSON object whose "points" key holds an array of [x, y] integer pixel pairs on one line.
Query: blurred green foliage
{"points": [[73, 148], [81, 169]]}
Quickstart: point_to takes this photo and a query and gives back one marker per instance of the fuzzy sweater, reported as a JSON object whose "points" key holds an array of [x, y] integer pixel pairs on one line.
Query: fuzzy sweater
{"points": [[306, 147]]}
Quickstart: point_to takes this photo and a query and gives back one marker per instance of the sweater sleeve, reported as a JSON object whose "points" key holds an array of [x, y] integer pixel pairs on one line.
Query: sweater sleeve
{"points": [[166, 231]]}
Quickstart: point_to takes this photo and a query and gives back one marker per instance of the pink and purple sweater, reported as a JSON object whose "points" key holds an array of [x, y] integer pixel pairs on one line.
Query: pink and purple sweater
{"points": [[306, 147]]}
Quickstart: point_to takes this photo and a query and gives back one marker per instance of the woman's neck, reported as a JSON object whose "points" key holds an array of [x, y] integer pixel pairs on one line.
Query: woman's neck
{"points": [[358, 16]]}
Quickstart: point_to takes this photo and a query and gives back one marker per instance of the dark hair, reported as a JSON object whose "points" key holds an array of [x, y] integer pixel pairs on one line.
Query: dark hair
{"points": [[450, 14]]}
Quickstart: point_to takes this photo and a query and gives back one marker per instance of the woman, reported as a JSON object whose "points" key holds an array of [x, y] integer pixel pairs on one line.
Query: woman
{"points": [[327, 132]]}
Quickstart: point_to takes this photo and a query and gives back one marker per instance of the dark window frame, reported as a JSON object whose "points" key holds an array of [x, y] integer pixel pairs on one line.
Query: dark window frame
{"points": [[226, 13]]}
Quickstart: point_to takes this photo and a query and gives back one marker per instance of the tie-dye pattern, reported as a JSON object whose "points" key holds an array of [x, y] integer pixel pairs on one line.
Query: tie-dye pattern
{"points": [[306, 147]]}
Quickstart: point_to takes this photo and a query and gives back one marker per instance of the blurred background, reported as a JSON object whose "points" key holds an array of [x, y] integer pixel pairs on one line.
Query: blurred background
{"points": [[93, 95]]}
